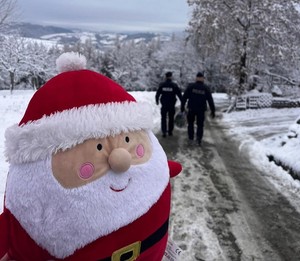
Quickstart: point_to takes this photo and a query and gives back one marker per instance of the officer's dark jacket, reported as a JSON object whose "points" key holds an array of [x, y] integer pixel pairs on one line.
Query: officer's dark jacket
{"points": [[198, 94], [167, 92]]}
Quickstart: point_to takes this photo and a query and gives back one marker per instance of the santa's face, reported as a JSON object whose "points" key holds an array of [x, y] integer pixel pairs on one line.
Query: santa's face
{"points": [[92, 159], [84, 193]]}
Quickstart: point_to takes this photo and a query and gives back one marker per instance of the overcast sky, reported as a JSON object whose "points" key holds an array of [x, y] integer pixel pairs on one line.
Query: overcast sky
{"points": [[111, 15]]}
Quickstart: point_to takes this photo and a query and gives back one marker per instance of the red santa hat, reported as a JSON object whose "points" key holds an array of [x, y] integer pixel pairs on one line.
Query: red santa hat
{"points": [[74, 106]]}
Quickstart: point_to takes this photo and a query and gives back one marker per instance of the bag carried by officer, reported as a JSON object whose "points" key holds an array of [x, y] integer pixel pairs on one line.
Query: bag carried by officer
{"points": [[180, 120]]}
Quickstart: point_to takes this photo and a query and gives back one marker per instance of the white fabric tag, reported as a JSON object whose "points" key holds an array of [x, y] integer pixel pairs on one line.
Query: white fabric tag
{"points": [[172, 252]]}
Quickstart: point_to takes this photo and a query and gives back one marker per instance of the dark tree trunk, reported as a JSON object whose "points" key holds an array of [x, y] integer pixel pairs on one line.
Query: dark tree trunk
{"points": [[12, 81]]}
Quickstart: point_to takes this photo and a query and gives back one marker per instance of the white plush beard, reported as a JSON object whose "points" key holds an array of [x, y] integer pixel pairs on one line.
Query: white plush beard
{"points": [[63, 220]]}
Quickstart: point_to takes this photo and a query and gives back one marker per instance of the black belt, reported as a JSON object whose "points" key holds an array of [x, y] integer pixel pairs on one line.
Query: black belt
{"points": [[132, 251]]}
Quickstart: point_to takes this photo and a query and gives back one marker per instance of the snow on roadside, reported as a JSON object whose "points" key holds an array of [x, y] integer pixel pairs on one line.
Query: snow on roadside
{"points": [[262, 132]]}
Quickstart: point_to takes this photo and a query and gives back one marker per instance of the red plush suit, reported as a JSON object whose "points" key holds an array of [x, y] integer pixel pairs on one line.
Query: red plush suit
{"points": [[16, 242]]}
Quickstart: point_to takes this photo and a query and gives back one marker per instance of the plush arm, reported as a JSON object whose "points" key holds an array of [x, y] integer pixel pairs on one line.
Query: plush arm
{"points": [[175, 168], [3, 236]]}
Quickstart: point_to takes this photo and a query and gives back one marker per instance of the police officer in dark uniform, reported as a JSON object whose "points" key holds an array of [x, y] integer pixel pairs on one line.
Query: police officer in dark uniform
{"points": [[197, 94], [166, 93]]}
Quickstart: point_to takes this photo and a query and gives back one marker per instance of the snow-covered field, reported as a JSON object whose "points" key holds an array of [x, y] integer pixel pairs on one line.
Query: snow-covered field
{"points": [[261, 132]]}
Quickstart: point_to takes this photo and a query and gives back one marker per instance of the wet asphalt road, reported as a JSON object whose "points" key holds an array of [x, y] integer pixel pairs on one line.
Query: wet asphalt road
{"points": [[249, 218]]}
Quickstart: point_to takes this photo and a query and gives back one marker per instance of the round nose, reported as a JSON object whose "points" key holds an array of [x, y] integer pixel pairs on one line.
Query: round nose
{"points": [[119, 160]]}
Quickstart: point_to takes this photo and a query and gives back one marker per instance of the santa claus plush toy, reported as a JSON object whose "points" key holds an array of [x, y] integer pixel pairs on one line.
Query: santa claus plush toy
{"points": [[87, 180]]}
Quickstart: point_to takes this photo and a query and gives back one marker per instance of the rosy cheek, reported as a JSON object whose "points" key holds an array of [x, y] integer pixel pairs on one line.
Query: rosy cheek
{"points": [[86, 170], [140, 151]]}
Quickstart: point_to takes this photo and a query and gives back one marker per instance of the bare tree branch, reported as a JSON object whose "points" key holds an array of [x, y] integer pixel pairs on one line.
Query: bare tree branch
{"points": [[7, 10]]}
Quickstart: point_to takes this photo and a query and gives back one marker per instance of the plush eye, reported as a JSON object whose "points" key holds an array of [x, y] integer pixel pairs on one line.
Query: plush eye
{"points": [[127, 139], [99, 146]]}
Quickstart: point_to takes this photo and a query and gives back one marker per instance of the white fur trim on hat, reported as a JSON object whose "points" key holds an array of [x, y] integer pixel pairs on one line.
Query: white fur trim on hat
{"points": [[60, 131]]}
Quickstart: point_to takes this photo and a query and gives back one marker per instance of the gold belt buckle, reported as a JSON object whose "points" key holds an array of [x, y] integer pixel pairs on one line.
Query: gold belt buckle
{"points": [[130, 252]]}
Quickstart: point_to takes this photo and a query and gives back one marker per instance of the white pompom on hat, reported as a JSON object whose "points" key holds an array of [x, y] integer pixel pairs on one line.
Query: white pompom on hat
{"points": [[74, 106], [70, 61]]}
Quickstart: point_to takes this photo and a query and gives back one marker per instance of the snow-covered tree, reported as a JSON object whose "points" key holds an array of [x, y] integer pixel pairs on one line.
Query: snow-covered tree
{"points": [[89, 49], [12, 57], [107, 65], [130, 63], [37, 67], [22, 58], [180, 57], [8, 9], [247, 37]]}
